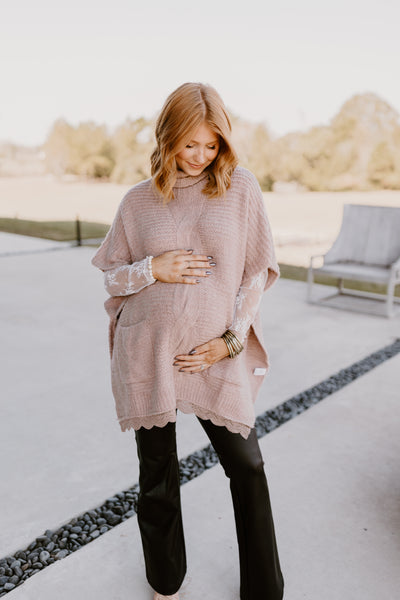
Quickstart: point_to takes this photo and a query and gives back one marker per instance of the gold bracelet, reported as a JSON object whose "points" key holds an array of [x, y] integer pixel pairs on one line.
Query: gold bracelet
{"points": [[234, 349], [230, 347], [234, 341], [234, 345]]}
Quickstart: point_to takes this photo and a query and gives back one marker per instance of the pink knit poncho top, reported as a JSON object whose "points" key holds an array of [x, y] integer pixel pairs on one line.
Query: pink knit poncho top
{"points": [[151, 321]]}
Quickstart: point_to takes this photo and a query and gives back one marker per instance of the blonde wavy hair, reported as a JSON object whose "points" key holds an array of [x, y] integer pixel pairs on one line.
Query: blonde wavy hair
{"points": [[185, 109]]}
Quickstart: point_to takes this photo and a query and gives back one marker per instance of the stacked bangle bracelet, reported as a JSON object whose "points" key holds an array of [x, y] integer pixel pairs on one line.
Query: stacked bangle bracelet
{"points": [[234, 344]]}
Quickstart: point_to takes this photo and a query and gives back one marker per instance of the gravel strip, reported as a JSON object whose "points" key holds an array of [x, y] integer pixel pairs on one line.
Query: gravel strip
{"points": [[79, 531], [277, 416]]}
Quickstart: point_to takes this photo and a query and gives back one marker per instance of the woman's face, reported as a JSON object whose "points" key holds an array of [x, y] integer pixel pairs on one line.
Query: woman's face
{"points": [[199, 152]]}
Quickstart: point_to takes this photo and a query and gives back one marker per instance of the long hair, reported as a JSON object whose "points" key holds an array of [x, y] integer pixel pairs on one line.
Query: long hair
{"points": [[184, 111]]}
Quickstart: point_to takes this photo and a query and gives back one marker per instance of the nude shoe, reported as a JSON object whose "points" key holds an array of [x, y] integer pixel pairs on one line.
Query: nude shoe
{"points": [[158, 596]]}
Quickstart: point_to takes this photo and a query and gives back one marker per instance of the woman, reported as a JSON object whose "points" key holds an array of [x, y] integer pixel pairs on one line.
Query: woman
{"points": [[185, 262]]}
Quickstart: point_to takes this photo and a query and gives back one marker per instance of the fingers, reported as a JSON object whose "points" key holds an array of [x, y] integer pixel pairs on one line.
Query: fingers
{"points": [[187, 276], [191, 274], [198, 265], [182, 266], [187, 363], [194, 368], [198, 357], [185, 255], [191, 365], [197, 272], [198, 361], [201, 357]]}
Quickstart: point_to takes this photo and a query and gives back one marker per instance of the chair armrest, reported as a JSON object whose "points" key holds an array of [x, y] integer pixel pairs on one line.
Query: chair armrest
{"points": [[315, 256], [396, 264], [395, 267]]}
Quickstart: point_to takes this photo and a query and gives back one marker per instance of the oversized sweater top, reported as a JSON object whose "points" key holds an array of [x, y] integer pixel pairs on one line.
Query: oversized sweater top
{"points": [[151, 321]]}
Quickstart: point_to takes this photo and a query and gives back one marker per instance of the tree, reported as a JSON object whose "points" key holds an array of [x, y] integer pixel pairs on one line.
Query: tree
{"points": [[132, 144], [84, 150]]}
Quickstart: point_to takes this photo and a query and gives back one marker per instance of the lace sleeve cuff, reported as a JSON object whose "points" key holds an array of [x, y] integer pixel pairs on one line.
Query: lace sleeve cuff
{"points": [[247, 302], [129, 279]]}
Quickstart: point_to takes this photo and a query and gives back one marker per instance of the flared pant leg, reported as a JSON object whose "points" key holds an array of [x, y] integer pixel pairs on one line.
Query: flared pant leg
{"points": [[260, 573], [160, 518], [159, 508]]}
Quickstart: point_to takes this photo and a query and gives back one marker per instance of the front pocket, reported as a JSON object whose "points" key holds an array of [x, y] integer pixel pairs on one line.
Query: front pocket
{"points": [[133, 352]]}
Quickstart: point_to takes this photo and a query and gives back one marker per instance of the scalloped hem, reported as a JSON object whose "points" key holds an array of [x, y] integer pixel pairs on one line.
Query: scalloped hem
{"points": [[186, 407], [203, 413], [148, 422]]}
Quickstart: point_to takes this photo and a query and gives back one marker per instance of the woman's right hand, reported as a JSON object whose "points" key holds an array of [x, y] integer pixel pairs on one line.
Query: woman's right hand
{"points": [[181, 266]]}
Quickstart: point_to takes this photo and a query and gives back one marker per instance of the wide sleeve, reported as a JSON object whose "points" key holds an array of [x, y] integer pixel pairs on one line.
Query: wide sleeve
{"points": [[247, 303], [261, 269], [129, 279], [114, 250], [122, 275]]}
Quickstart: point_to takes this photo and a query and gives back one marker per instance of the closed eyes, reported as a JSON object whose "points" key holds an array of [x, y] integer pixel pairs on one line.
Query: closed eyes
{"points": [[208, 147]]}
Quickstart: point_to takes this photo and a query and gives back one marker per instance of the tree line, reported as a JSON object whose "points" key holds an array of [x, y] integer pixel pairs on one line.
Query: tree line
{"points": [[358, 150]]}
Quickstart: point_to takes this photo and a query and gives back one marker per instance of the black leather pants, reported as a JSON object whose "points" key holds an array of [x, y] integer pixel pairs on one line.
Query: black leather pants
{"points": [[160, 518]]}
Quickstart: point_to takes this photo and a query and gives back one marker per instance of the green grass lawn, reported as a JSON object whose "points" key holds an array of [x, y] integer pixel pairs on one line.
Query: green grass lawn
{"points": [[300, 274], [61, 231], [65, 231]]}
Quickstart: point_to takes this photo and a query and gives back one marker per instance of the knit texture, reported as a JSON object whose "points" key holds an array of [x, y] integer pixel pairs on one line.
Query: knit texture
{"points": [[149, 328]]}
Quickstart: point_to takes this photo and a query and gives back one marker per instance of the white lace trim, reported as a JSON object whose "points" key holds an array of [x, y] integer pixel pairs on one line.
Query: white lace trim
{"points": [[240, 298], [186, 407], [129, 279], [258, 281], [241, 325], [247, 302]]}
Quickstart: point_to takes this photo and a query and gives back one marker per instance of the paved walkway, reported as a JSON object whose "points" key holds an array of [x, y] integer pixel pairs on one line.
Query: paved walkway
{"points": [[333, 471], [11, 244]]}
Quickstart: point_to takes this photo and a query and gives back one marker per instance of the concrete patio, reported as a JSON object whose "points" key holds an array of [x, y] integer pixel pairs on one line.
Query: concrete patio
{"points": [[333, 471]]}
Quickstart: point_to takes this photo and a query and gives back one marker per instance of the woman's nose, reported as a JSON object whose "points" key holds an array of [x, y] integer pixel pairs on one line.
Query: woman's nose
{"points": [[200, 157]]}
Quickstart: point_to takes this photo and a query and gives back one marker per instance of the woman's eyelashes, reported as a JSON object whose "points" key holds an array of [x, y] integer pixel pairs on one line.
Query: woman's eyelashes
{"points": [[208, 147]]}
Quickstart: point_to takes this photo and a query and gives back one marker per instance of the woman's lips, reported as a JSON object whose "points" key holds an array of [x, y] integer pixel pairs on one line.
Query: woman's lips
{"points": [[195, 166]]}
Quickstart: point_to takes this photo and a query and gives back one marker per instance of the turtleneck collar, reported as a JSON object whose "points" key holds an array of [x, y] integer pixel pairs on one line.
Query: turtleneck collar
{"points": [[184, 180]]}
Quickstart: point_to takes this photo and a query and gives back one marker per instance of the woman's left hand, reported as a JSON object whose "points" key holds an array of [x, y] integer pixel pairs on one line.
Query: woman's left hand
{"points": [[202, 356]]}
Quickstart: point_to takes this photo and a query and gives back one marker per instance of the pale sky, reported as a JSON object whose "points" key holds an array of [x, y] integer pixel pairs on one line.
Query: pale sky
{"points": [[288, 63]]}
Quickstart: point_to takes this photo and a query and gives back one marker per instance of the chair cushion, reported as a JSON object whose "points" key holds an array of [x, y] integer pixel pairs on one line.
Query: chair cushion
{"points": [[351, 270]]}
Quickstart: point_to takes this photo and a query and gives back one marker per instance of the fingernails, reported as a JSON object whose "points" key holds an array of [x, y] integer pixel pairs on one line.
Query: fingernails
{"points": [[191, 250], [210, 257], [213, 264], [198, 280], [208, 272], [192, 352]]}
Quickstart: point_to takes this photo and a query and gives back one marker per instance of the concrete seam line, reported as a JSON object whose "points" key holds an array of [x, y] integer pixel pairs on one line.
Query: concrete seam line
{"points": [[83, 529], [38, 251]]}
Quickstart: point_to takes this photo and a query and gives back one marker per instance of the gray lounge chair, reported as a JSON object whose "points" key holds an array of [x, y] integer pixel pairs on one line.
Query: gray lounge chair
{"points": [[366, 249]]}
